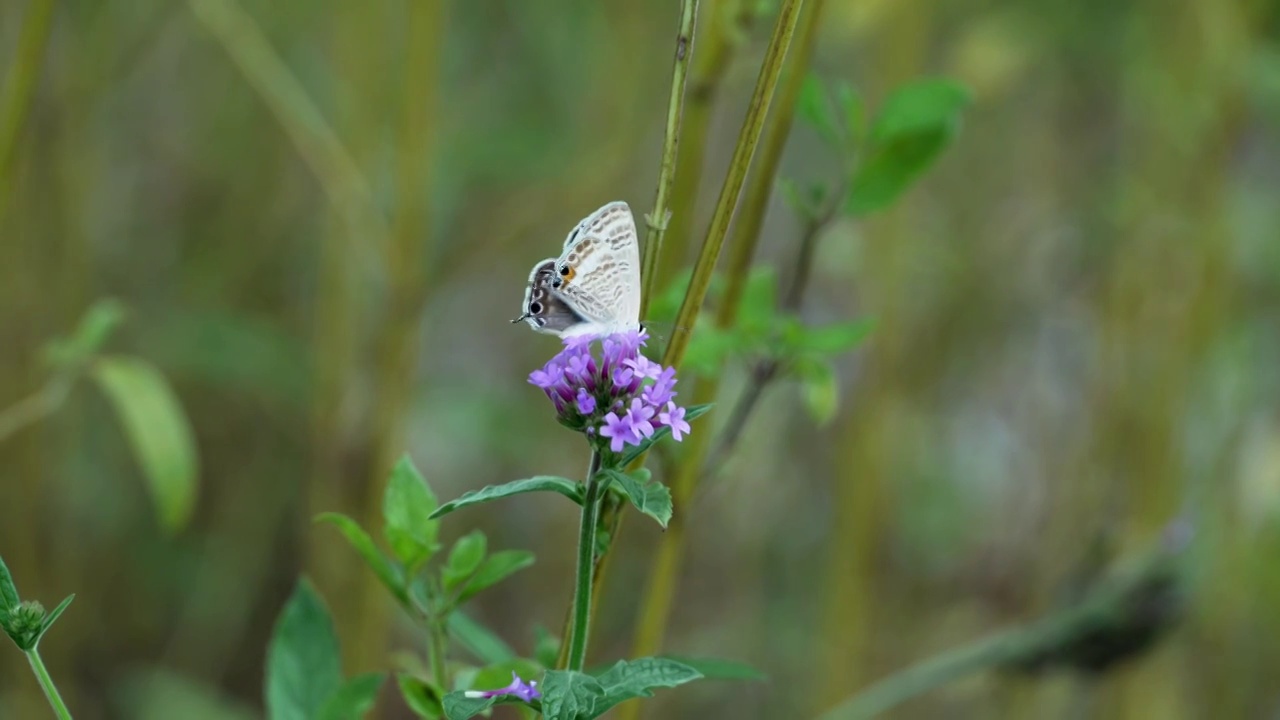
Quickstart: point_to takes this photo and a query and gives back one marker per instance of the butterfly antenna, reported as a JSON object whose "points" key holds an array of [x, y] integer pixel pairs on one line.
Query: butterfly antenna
{"points": [[522, 317]]}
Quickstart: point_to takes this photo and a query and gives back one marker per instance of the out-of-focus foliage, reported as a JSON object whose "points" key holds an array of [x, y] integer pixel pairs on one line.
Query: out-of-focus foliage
{"points": [[1075, 340]]}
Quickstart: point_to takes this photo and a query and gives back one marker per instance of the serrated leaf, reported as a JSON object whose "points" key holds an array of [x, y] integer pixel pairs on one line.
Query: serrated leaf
{"points": [[8, 590], [720, 669], [158, 432], [638, 678], [465, 557], [390, 574], [407, 508], [477, 639], [496, 568], [354, 698], [303, 662], [420, 697], [648, 496], [571, 695], [541, 483], [814, 108], [629, 456], [457, 706], [916, 123]]}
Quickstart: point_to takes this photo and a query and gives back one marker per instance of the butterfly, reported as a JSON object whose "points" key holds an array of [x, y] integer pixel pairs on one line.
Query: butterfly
{"points": [[593, 288]]}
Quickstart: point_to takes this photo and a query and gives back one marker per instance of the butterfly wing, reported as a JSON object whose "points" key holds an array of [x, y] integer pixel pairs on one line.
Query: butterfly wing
{"points": [[544, 310], [598, 272]]}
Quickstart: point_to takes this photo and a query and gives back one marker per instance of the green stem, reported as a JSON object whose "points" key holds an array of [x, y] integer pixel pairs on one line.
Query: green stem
{"points": [[657, 220], [748, 138], [19, 83], [46, 684], [438, 650], [577, 656]]}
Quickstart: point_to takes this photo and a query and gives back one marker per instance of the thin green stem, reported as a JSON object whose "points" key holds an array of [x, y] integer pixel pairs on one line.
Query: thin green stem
{"points": [[20, 82], [34, 408], [439, 648], [748, 139], [46, 684], [581, 627], [657, 220]]}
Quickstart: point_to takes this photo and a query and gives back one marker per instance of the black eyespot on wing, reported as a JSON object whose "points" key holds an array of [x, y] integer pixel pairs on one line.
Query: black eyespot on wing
{"points": [[535, 308]]}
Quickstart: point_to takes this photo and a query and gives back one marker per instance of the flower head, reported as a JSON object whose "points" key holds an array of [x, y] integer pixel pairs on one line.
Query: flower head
{"points": [[606, 388], [525, 691]]}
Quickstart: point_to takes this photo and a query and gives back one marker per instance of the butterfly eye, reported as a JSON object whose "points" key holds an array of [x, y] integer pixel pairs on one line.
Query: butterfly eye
{"points": [[564, 271], [535, 308]]}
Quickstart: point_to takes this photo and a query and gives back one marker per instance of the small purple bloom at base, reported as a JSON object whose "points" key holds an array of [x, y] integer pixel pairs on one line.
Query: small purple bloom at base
{"points": [[618, 430], [673, 417], [525, 691]]}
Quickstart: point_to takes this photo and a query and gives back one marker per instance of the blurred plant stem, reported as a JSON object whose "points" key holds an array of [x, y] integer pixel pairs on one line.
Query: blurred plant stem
{"points": [[658, 218], [406, 264], [725, 31], [46, 684], [583, 598], [35, 407], [663, 576], [19, 87]]}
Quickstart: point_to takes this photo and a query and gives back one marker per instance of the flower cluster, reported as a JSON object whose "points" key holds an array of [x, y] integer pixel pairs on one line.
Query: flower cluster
{"points": [[616, 394]]}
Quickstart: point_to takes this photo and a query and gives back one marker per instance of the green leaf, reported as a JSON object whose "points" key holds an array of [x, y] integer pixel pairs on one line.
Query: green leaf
{"points": [[567, 488], [477, 639], [855, 113], [421, 698], [820, 389], [829, 339], [638, 678], [814, 108], [303, 664], [571, 695], [354, 699], [466, 556], [407, 508], [157, 430], [388, 572], [496, 568], [631, 454], [457, 706], [8, 590], [99, 321], [720, 669], [54, 615], [648, 496], [915, 125]]}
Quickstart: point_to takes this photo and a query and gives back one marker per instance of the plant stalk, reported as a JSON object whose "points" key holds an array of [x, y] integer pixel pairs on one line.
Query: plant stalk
{"points": [[46, 684], [20, 83], [657, 220], [581, 627]]}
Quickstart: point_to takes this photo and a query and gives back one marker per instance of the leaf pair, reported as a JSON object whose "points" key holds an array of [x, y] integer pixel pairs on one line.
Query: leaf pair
{"points": [[24, 622]]}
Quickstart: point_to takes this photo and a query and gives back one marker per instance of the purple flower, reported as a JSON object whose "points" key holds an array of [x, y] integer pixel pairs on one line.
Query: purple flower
{"points": [[586, 403], [673, 417], [619, 431], [606, 388], [525, 691]]}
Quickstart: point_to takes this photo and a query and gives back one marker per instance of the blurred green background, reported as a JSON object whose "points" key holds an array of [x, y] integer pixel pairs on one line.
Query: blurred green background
{"points": [[1077, 339]]}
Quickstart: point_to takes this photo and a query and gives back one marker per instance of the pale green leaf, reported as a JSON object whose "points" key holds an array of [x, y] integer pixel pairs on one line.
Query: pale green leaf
{"points": [[391, 576], [466, 556], [354, 699], [496, 568], [303, 662], [407, 508], [541, 483]]}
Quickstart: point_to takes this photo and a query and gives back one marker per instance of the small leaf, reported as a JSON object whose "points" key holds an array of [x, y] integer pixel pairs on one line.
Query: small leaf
{"points": [[157, 430], [829, 339], [496, 568], [631, 454], [421, 698], [303, 664], [821, 390], [638, 678], [814, 108], [478, 640], [649, 497], [465, 557], [570, 695], [457, 706], [567, 488], [388, 572], [407, 508], [99, 321], [915, 125], [855, 113], [719, 669], [354, 698], [8, 591], [54, 615]]}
